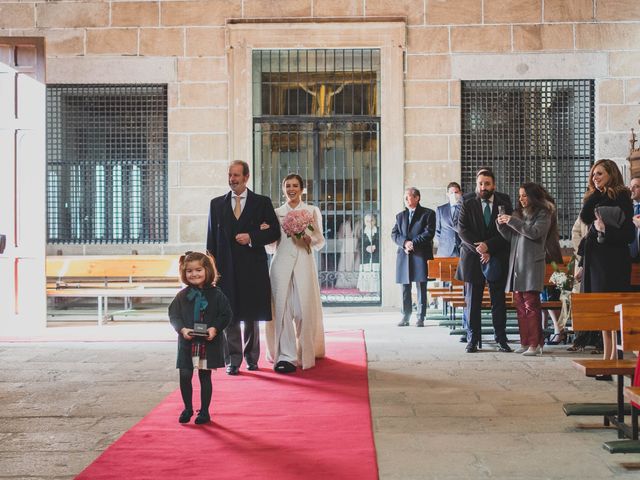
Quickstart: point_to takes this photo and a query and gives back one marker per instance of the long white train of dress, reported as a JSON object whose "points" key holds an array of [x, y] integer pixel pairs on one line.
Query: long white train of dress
{"points": [[293, 272]]}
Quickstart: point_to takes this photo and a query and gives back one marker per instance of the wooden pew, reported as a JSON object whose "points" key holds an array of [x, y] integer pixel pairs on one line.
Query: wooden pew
{"points": [[596, 311], [629, 340], [119, 276]]}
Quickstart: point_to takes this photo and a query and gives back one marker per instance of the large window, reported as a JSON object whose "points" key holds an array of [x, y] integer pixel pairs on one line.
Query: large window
{"points": [[537, 130], [107, 163]]}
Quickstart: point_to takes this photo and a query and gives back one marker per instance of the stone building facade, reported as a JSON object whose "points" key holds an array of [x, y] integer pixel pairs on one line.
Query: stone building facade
{"points": [[199, 49]]}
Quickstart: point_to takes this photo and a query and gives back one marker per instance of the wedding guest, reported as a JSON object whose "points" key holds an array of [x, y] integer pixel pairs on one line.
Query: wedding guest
{"points": [[583, 338], [484, 258], [369, 275], [527, 231], [413, 234], [605, 254], [200, 302], [553, 253], [447, 232], [447, 223], [295, 336], [634, 246]]}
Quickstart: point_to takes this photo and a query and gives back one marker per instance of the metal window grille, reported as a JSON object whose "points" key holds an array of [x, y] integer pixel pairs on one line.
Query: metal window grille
{"points": [[107, 163], [533, 130], [316, 113]]}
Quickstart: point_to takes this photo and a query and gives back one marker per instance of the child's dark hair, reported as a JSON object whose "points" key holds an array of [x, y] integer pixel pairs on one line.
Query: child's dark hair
{"points": [[206, 260]]}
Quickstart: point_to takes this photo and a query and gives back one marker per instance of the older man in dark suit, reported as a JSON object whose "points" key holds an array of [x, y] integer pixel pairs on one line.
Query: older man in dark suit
{"points": [[413, 233], [241, 223], [484, 258]]}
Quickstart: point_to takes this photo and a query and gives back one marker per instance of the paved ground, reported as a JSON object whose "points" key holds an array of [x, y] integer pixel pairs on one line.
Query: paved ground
{"points": [[438, 413]]}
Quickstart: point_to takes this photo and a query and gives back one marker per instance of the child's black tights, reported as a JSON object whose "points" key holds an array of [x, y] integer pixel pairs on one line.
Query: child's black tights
{"points": [[187, 390]]}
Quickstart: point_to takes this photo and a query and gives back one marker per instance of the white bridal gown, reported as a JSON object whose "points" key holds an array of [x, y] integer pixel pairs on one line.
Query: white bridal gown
{"points": [[296, 333]]}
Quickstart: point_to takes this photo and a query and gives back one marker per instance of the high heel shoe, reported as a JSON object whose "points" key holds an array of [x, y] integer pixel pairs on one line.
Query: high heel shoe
{"points": [[533, 352], [575, 348], [522, 349], [557, 338]]}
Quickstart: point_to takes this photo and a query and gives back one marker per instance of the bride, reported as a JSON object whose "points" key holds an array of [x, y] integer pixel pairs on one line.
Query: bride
{"points": [[295, 336]]}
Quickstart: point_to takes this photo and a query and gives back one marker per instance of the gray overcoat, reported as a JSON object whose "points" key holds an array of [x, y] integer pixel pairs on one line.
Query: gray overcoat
{"points": [[527, 255]]}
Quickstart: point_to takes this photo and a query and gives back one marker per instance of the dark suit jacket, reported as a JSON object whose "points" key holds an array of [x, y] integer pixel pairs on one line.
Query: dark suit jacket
{"points": [[413, 267], [446, 234], [472, 229], [244, 269]]}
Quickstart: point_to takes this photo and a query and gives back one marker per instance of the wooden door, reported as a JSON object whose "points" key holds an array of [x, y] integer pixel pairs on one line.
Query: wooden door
{"points": [[22, 183]]}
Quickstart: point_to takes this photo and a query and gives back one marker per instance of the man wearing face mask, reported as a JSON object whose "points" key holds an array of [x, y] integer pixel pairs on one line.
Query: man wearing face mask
{"points": [[484, 256], [447, 231], [447, 223]]}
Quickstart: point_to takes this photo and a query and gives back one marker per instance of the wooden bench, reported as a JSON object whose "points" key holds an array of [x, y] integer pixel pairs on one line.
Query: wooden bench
{"points": [[597, 311], [104, 277], [629, 340]]}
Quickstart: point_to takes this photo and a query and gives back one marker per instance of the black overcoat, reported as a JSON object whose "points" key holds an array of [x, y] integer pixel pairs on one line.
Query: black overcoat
{"points": [[217, 315], [413, 267], [607, 265], [368, 257], [472, 229], [244, 268]]}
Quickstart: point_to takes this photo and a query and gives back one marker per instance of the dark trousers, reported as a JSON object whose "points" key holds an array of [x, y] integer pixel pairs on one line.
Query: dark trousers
{"points": [[473, 298], [422, 300], [234, 346]]}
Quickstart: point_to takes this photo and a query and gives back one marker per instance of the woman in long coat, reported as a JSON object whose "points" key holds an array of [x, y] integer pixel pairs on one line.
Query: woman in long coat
{"points": [[606, 260], [295, 337], [527, 231]]}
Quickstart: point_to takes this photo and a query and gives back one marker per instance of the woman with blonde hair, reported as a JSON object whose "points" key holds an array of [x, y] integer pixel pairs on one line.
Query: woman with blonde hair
{"points": [[608, 211]]}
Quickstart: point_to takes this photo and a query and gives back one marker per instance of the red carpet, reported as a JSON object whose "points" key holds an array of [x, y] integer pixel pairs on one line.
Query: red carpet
{"points": [[309, 425]]}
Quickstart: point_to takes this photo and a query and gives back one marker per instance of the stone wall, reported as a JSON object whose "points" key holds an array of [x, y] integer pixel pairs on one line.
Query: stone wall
{"points": [[185, 44]]}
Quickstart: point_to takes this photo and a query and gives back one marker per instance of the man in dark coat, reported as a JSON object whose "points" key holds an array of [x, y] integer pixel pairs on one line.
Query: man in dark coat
{"points": [[413, 233], [482, 244], [241, 223]]}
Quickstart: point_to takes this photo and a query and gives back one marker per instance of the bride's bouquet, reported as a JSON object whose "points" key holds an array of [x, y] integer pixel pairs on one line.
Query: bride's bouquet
{"points": [[296, 222]]}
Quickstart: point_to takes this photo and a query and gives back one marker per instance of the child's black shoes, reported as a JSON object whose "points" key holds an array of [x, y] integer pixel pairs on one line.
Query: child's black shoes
{"points": [[185, 416], [203, 417]]}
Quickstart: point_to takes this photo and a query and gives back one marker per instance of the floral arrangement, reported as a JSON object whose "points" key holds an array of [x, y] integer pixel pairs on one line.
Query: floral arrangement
{"points": [[563, 280], [296, 222]]}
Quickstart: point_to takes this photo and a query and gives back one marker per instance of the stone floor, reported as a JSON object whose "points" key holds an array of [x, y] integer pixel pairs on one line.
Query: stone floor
{"points": [[438, 413]]}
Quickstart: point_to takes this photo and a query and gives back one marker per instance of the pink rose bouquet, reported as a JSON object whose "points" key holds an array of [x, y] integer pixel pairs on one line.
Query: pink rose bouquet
{"points": [[296, 222]]}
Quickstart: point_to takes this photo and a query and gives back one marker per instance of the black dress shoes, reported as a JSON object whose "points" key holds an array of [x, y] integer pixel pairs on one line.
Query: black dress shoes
{"points": [[203, 417], [463, 339], [284, 367], [472, 347], [504, 347], [185, 416], [420, 322], [252, 367], [232, 370]]}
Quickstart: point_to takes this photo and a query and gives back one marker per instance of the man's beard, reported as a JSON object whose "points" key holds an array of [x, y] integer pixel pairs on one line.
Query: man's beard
{"points": [[486, 194]]}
